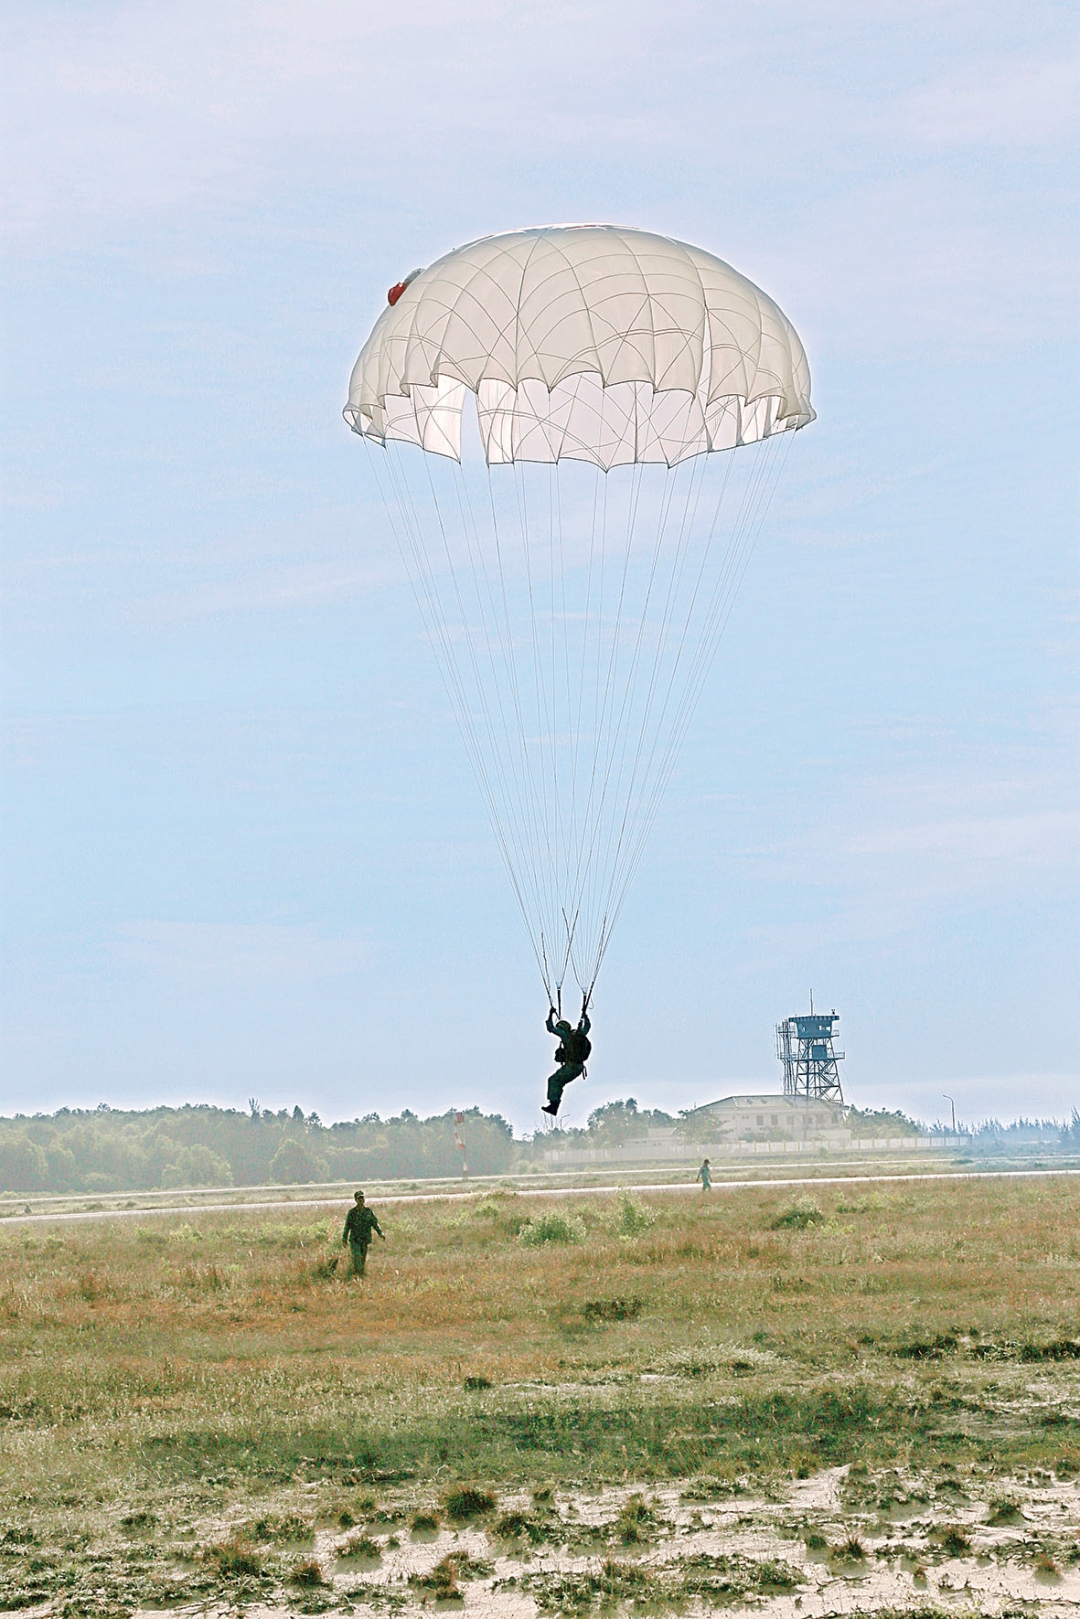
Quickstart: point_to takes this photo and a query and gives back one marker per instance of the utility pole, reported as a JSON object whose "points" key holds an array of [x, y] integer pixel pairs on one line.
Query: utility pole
{"points": [[459, 1141], [952, 1104]]}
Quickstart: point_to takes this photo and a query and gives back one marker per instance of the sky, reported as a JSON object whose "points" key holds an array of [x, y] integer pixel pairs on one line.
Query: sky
{"points": [[242, 852]]}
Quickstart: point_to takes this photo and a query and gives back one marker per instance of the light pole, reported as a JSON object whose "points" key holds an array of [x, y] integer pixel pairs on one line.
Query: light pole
{"points": [[952, 1104]]}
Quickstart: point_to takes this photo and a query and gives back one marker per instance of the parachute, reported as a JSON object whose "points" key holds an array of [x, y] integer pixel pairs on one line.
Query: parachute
{"points": [[545, 411]]}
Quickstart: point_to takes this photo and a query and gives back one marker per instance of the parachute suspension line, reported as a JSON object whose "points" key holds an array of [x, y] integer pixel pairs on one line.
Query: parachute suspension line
{"points": [[582, 617], [513, 816], [514, 800], [598, 539], [746, 529], [599, 486], [629, 737], [642, 805], [548, 718], [586, 875], [567, 616], [670, 636], [556, 830], [591, 858], [485, 708], [620, 634], [539, 794], [532, 842], [539, 695], [660, 639], [464, 709], [426, 594], [535, 842], [545, 646], [631, 785], [753, 512], [754, 508]]}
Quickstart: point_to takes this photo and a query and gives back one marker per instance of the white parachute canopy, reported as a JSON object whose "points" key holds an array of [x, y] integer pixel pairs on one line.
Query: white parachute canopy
{"points": [[575, 609]]}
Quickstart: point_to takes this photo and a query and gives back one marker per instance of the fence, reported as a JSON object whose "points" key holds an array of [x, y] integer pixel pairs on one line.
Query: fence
{"points": [[680, 1152]]}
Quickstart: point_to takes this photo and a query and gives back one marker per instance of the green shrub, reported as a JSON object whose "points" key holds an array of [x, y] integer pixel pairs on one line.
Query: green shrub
{"points": [[802, 1214], [613, 1309], [551, 1228], [633, 1216]]}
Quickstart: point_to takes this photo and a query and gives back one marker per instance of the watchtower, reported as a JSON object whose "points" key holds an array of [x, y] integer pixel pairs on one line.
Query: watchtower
{"points": [[805, 1047]]}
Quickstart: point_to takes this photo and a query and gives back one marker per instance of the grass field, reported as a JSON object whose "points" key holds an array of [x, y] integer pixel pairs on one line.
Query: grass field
{"points": [[193, 1404]]}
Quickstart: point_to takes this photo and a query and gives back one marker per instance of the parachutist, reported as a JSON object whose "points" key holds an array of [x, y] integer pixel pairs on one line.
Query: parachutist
{"points": [[572, 1053]]}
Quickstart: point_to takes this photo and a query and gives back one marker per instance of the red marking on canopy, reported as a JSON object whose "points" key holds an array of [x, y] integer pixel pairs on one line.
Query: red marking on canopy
{"points": [[395, 293]]}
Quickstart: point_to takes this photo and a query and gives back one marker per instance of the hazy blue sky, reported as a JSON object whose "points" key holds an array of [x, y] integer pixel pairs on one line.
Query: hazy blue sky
{"points": [[242, 850]]}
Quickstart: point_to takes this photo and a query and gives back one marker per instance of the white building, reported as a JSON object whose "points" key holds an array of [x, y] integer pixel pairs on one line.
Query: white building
{"points": [[767, 1122], [769, 1116]]}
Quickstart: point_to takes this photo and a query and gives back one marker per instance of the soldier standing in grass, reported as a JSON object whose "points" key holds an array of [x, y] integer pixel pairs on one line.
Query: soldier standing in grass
{"points": [[704, 1175], [360, 1222]]}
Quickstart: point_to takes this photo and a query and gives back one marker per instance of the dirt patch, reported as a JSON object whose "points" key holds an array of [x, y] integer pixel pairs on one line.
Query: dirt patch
{"points": [[825, 1545]]}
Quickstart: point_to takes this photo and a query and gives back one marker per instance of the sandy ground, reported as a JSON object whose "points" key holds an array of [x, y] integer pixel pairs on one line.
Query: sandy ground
{"points": [[904, 1571]]}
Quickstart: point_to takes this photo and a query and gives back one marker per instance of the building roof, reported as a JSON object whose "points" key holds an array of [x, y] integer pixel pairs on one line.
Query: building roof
{"points": [[766, 1099]]}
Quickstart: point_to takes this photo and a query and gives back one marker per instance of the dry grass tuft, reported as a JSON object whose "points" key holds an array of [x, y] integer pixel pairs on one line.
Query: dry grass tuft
{"points": [[466, 1503], [307, 1574], [360, 1548]]}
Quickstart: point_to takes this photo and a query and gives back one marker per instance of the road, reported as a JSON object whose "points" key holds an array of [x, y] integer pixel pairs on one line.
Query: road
{"points": [[189, 1211]]}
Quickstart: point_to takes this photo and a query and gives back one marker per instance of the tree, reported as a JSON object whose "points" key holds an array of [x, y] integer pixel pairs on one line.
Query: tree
{"points": [[615, 1121], [294, 1164], [23, 1166], [197, 1166]]}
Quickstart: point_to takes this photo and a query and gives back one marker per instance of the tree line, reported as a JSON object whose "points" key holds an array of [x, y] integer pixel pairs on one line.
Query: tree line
{"points": [[114, 1150], [107, 1149]]}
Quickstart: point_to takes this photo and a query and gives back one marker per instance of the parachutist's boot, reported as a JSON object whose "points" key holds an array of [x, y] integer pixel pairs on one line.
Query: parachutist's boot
{"points": [[550, 1107]]}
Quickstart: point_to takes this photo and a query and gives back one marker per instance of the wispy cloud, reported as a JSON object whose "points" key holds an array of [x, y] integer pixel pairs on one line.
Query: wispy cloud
{"points": [[998, 103], [236, 955], [1048, 837]]}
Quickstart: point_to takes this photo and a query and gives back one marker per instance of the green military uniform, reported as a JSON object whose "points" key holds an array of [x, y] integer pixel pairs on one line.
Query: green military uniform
{"points": [[360, 1222], [573, 1051]]}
